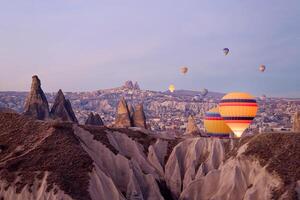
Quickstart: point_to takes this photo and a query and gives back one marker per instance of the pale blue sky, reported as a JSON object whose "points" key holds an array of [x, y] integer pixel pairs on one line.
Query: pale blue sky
{"points": [[81, 45]]}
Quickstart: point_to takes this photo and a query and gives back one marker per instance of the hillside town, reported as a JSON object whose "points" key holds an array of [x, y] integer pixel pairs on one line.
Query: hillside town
{"points": [[163, 110]]}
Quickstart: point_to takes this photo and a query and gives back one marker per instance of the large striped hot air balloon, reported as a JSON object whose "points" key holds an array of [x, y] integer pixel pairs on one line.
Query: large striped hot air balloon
{"points": [[238, 110], [215, 125]]}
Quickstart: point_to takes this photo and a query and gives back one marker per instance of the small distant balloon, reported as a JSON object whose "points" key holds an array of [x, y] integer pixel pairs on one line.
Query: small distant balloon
{"points": [[204, 92], [262, 68], [263, 97], [171, 88], [184, 70], [226, 51]]}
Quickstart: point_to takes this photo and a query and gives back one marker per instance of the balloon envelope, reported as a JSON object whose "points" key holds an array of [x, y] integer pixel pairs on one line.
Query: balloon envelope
{"points": [[262, 68], [171, 88], [238, 110], [184, 70], [226, 51], [214, 124]]}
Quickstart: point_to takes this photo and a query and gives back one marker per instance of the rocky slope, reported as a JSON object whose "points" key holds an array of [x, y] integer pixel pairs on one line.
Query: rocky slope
{"points": [[61, 160]]}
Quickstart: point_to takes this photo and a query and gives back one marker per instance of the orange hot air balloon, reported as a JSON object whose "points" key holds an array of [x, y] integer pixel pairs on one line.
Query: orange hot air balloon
{"points": [[238, 110], [171, 88], [214, 124]]}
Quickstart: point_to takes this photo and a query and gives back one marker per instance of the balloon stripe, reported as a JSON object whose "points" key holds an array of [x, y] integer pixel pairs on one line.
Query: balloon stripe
{"points": [[238, 118], [238, 121], [238, 104], [213, 118], [238, 100]]}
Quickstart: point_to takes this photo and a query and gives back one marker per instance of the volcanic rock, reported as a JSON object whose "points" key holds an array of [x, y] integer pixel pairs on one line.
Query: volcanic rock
{"points": [[36, 104], [296, 122], [94, 120], [123, 119], [62, 109], [192, 127], [139, 118], [136, 86], [129, 85]]}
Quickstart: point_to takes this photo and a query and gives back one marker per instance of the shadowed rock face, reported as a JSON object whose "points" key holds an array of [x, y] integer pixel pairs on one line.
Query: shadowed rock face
{"points": [[139, 118], [94, 120], [62, 109], [296, 122], [123, 115], [191, 127], [36, 104]]}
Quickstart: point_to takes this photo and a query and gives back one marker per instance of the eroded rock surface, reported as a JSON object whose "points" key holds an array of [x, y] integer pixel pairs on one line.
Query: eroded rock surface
{"points": [[62, 109], [123, 119], [36, 104]]}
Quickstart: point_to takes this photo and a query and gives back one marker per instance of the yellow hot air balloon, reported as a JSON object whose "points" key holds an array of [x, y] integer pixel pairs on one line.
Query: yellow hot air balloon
{"points": [[171, 88], [238, 110], [184, 70], [214, 124]]}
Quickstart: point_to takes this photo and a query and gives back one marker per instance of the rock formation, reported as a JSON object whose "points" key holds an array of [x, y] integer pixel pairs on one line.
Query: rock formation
{"points": [[136, 86], [139, 118], [130, 85], [62, 109], [123, 115], [47, 160], [191, 127], [94, 120], [296, 122], [36, 104]]}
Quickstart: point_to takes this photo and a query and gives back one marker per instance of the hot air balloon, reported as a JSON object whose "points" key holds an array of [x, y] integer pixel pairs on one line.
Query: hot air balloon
{"points": [[238, 110], [171, 88], [262, 68], [263, 97], [226, 51], [184, 70], [214, 124], [204, 92]]}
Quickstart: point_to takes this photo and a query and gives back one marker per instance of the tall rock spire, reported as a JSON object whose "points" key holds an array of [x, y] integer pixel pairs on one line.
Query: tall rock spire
{"points": [[36, 104], [62, 108], [191, 127], [94, 120], [139, 118], [123, 115]]}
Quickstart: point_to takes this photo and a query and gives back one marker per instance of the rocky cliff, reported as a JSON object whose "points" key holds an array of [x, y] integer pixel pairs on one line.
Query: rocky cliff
{"points": [[62, 109], [36, 104]]}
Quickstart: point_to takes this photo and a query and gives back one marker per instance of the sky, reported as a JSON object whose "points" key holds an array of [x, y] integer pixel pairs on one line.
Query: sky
{"points": [[79, 45]]}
